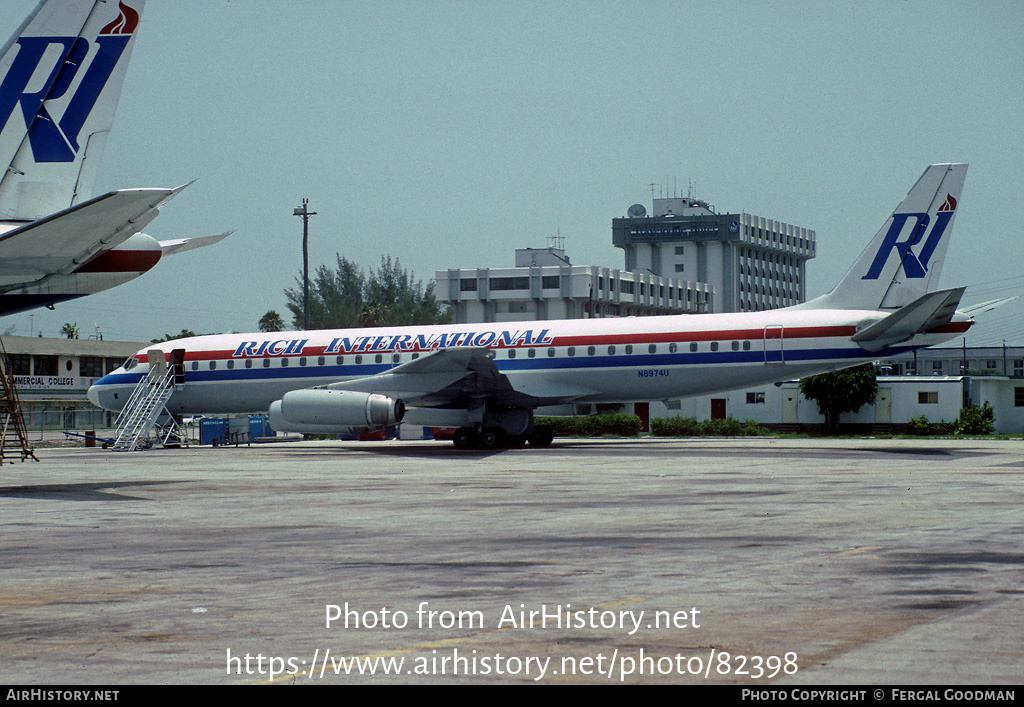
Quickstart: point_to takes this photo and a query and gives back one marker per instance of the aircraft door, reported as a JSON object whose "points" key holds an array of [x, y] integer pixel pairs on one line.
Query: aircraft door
{"points": [[773, 346]]}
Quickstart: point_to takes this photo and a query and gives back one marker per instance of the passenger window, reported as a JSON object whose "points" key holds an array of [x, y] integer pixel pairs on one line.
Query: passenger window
{"points": [[591, 351], [195, 365], [611, 350], [395, 358], [693, 347], [284, 363], [532, 353], [629, 348], [213, 365], [340, 360], [653, 348], [511, 353], [714, 346], [672, 348], [320, 361], [735, 346], [266, 363], [231, 364], [551, 353], [378, 358], [302, 360], [248, 363], [572, 351]]}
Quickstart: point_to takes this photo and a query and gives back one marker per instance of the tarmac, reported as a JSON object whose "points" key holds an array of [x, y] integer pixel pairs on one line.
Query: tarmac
{"points": [[757, 561]]}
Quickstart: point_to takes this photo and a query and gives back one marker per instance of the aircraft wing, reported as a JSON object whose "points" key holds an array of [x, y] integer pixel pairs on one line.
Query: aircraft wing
{"points": [[454, 378], [62, 242]]}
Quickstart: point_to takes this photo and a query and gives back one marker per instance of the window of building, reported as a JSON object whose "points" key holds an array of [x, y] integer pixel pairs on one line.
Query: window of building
{"points": [[680, 249], [510, 283], [467, 284], [936, 368], [44, 365], [1018, 368], [927, 397], [755, 398], [1018, 397], [90, 366], [550, 282]]}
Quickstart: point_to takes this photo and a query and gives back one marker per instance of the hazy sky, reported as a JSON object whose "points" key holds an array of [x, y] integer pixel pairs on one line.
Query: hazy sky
{"points": [[447, 134]]}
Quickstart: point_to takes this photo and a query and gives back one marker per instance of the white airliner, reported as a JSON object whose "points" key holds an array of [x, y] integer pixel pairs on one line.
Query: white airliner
{"points": [[60, 80], [487, 379]]}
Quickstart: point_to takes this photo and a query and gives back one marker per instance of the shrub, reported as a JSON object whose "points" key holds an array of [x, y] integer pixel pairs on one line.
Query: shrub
{"points": [[619, 425], [691, 427], [976, 420], [919, 426]]}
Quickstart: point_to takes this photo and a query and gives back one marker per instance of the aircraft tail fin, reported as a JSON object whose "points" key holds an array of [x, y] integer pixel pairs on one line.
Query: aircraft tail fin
{"points": [[60, 81], [904, 259]]}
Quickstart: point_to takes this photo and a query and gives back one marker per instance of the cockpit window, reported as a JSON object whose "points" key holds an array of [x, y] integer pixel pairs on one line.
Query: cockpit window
{"points": [[131, 363]]}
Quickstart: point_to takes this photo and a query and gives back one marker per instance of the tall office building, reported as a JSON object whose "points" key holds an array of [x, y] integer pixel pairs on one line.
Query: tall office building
{"points": [[751, 262]]}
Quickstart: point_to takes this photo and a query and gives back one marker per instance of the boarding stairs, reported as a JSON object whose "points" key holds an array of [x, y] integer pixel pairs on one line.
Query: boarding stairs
{"points": [[13, 433], [146, 409]]}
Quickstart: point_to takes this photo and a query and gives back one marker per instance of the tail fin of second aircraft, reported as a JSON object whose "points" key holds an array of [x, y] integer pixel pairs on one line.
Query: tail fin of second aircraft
{"points": [[903, 261], [60, 81]]}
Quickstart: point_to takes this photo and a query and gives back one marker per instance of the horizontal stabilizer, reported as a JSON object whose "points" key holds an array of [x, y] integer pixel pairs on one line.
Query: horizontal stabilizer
{"points": [[931, 311], [977, 309], [179, 245]]}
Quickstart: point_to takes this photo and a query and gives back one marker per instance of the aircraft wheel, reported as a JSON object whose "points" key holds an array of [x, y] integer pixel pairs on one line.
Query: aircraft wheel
{"points": [[465, 438], [541, 436], [492, 437]]}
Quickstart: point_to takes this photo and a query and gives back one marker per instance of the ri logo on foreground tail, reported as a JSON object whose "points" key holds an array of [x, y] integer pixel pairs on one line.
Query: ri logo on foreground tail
{"points": [[60, 82]]}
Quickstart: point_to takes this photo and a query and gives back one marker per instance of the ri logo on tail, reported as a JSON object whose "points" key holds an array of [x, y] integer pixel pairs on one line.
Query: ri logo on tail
{"points": [[62, 78]]}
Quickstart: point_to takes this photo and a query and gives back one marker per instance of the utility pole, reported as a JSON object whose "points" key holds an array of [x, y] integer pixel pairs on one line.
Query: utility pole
{"points": [[305, 214]]}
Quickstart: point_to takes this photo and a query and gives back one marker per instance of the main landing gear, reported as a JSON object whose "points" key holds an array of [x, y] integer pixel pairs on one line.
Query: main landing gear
{"points": [[496, 437]]}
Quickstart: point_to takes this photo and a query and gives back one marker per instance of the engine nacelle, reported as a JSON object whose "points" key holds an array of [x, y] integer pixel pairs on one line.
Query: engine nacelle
{"points": [[326, 411]]}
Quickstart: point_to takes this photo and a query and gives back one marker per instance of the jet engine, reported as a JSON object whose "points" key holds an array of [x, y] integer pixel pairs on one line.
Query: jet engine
{"points": [[321, 410]]}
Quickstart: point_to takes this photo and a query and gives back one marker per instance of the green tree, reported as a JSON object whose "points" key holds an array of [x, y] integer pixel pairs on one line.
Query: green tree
{"points": [[344, 297], [70, 330], [271, 321], [841, 391], [185, 333]]}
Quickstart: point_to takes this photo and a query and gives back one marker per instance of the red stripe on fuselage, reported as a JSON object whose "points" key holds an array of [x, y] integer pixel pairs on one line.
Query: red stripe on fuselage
{"points": [[789, 333], [122, 261]]}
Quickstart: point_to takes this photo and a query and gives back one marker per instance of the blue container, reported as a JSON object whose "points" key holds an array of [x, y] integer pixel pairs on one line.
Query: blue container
{"points": [[213, 430]]}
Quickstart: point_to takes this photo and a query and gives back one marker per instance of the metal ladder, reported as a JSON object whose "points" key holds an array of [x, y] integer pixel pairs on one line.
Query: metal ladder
{"points": [[145, 406], [13, 433]]}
